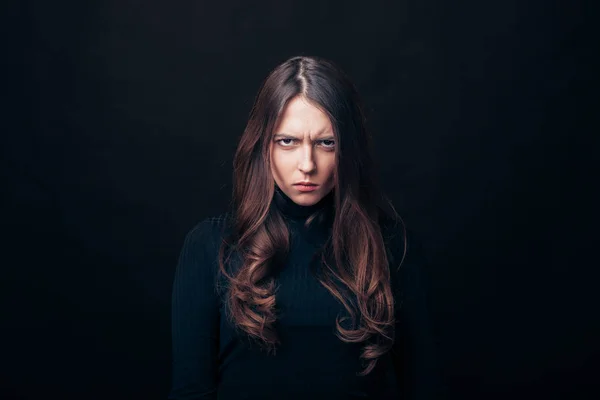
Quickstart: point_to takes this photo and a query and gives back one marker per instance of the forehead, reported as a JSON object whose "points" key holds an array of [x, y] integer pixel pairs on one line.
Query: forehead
{"points": [[301, 117]]}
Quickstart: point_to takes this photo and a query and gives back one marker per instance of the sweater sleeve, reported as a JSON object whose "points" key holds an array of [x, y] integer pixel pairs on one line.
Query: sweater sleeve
{"points": [[414, 352], [195, 317]]}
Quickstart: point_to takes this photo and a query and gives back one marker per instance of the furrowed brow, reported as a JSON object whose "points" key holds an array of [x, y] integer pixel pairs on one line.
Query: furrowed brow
{"points": [[285, 135]]}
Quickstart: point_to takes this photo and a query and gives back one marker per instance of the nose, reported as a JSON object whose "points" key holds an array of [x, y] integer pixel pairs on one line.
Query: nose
{"points": [[307, 164]]}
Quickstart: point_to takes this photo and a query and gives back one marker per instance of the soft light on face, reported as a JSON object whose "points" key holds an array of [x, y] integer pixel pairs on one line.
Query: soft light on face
{"points": [[303, 149]]}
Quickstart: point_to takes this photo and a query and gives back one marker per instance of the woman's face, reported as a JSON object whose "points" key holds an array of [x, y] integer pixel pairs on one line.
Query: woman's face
{"points": [[303, 149]]}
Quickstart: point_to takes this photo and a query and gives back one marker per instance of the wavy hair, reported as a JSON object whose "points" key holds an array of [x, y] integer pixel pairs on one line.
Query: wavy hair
{"points": [[358, 276]]}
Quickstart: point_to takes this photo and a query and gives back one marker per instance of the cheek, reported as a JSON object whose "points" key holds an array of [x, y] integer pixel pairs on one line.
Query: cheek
{"points": [[279, 161], [330, 165], [332, 171]]}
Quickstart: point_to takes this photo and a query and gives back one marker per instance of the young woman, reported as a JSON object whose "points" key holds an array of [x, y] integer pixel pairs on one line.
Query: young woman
{"points": [[308, 288]]}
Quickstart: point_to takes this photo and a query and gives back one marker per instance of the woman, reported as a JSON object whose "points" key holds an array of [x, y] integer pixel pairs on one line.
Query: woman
{"points": [[297, 292]]}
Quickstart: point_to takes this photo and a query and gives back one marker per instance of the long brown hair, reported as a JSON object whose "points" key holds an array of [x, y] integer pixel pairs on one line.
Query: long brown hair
{"points": [[358, 275]]}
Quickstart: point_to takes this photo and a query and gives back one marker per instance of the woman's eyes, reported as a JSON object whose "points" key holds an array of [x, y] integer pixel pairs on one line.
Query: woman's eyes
{"points": [[329, 144]]}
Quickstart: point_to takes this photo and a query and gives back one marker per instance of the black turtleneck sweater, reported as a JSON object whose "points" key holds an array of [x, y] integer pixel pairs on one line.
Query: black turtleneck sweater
{"points": [[211, 360]]}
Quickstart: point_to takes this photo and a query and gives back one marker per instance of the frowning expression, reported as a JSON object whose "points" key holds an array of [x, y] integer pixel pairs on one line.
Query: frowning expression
{"points": [[303, 149]]}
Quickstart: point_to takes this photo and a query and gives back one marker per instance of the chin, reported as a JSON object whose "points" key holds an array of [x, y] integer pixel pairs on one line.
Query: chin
{"points": [[308, 203], [307, 199]]}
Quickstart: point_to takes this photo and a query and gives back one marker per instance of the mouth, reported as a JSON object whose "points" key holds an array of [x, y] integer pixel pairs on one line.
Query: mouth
{"points": [[306, 187]]}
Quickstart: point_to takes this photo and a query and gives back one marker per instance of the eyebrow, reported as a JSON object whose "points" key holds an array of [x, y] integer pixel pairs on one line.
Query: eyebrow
{"points": [[286, 135]]}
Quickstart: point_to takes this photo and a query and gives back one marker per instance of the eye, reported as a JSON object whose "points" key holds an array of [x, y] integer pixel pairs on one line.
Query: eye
{"points": [[284, 144], [288, 142], [328, 143]]}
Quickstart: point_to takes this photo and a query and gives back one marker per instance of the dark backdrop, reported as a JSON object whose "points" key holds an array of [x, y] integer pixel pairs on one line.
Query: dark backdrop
{"points": [[120, 125]]}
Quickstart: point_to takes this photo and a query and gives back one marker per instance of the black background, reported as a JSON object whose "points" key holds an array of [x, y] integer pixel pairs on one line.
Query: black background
{"points": [[122, 117]]}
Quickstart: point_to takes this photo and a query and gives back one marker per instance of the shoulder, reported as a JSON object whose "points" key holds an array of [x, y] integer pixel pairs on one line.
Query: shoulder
{"points": [[212, 227], [206, 235], [198, 257]]}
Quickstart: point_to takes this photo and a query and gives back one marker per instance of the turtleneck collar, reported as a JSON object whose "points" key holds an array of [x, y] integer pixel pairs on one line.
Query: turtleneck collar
{"points": [[295, 211]]}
